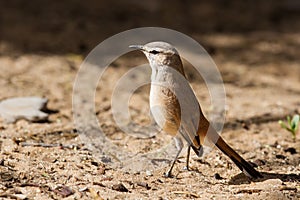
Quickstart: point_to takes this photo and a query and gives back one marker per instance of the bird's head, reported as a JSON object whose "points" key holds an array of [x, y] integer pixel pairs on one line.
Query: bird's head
{"points": [[160, 54]]}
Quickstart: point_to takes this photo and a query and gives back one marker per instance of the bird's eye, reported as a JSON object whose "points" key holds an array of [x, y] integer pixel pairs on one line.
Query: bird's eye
{"points": [[154, 52]]}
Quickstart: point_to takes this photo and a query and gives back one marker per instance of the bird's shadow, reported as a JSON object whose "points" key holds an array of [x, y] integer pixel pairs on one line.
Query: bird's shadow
{"points": [[242, 179]]}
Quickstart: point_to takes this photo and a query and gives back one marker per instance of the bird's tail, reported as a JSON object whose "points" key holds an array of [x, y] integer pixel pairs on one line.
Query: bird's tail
{"points": [[244, 166]]}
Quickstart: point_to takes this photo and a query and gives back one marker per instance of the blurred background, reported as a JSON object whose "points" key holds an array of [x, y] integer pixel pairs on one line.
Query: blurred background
{"points": [[255, 44], [74, 26]]}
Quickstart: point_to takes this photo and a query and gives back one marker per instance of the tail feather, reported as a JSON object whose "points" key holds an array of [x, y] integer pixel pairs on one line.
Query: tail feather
{"points": [[242, 164], [198, 151]]}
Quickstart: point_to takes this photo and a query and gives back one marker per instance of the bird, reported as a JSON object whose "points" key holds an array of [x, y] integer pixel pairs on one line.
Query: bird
{"points": [[176, 110]]}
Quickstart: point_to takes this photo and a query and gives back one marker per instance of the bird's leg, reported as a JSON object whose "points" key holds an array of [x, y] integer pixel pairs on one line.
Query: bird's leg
{"points": [[188, 158], [179, 146]]}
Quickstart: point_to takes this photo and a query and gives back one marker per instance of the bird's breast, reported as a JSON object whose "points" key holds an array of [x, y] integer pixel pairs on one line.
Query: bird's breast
{"points": [[165, 109]]}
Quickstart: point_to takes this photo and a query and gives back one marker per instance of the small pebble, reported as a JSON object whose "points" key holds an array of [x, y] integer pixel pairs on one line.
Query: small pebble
{"points": [[64, 191], [143, 184], [119, 187], [149, 173], [83, 189], [259, 162], [20, 196]]}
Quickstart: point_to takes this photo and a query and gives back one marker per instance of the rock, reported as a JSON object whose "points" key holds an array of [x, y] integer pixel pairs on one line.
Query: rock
{"points": [[28, 108]]}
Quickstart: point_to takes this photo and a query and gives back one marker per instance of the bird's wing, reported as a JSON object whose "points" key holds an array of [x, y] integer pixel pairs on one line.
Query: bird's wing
{"points": [[190, 111]]}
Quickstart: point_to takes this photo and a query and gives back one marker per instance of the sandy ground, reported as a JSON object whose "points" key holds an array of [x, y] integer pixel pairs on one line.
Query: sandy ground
{"points": [[261, 76]]}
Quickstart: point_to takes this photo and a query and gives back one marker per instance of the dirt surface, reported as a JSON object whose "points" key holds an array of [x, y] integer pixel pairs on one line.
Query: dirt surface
{"points": [[261, 89], [260, 69]]}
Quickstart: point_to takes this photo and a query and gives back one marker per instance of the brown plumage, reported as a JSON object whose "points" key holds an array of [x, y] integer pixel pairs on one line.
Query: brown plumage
{"points": [[175, 107]]}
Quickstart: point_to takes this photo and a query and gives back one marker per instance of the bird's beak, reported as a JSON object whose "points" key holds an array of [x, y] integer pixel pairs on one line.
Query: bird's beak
{"points": [[138, 47]]}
